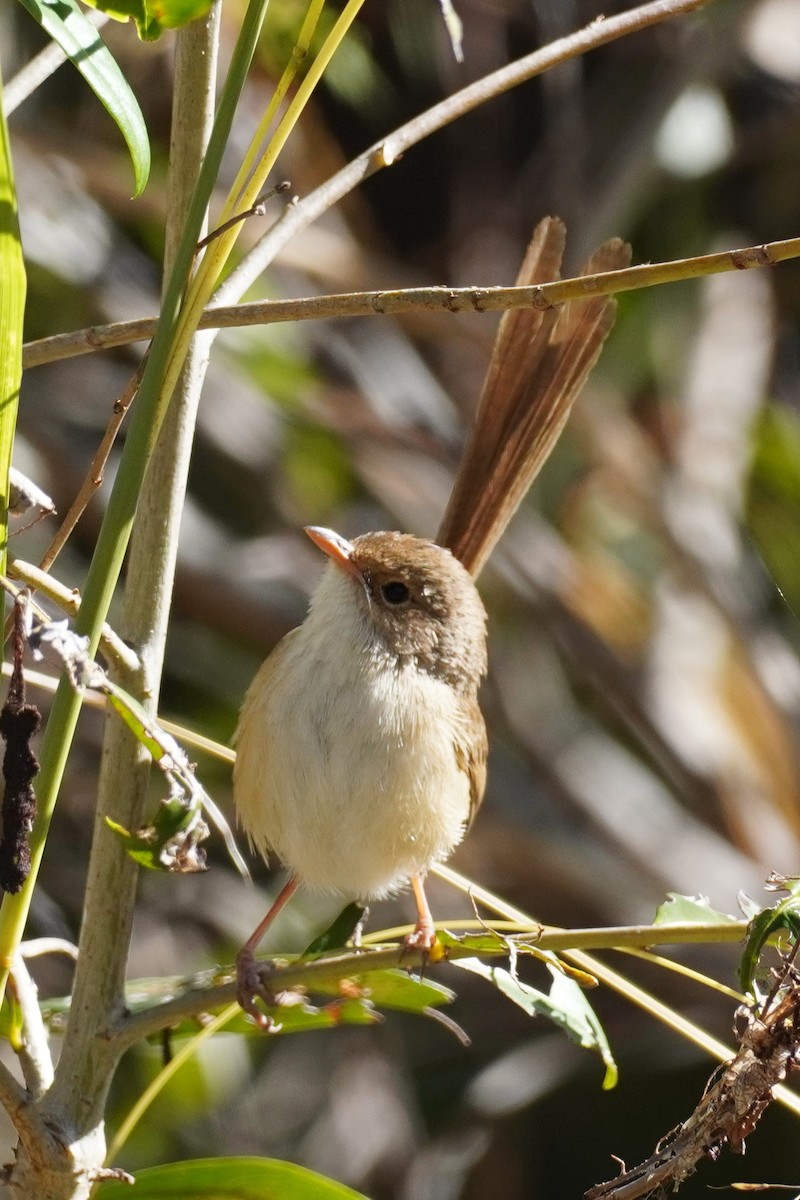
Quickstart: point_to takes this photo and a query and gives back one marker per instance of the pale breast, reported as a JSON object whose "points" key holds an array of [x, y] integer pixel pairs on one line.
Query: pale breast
{"points": [[349, 770]]}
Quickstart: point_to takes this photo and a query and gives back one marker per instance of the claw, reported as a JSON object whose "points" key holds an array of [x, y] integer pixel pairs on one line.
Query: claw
{"points": [[250, 986], [423, 938], [250, 974]]}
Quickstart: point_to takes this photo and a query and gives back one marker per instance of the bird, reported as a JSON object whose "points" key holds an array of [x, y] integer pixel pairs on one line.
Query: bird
{"points": [[361, 747]]}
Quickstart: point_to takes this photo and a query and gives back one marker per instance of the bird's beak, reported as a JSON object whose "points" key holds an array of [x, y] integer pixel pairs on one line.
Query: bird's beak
{"points": [[336, 547]]}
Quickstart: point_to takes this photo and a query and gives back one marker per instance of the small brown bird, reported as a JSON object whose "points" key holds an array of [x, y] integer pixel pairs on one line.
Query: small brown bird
{"points": [[361, 749]]}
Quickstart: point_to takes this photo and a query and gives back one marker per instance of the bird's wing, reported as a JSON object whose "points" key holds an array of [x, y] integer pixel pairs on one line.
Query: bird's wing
{"points": [[252, 740], [472, 748]]}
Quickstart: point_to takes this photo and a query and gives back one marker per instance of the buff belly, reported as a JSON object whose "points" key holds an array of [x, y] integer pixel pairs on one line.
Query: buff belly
{"points": [[355, 787]]}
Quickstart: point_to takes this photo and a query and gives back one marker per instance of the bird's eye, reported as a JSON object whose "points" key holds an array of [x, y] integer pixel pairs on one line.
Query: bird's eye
{"points": [[395, 592]]}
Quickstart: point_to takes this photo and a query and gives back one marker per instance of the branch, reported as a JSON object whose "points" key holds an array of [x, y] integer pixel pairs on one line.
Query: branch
{"points": [[387, 151], [422, 299], [40, 1142], [732, 1104], [202, 996]]}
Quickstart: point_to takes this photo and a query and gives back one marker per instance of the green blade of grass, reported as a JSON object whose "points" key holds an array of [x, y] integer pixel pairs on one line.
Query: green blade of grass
{"points": [[12, 310]]}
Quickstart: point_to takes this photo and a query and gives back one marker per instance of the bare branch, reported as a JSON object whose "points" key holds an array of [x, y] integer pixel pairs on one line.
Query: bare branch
{"points": [[427, 299]]}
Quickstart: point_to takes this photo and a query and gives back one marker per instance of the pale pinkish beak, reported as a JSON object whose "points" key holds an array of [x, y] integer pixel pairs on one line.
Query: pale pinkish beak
{"points": [[336, 547]]}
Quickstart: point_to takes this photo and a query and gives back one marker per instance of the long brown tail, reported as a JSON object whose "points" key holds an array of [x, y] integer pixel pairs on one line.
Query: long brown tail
{"points": [[540, 362]]}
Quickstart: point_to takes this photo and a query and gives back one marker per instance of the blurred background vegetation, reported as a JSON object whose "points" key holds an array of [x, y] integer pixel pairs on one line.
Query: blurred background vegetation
{"points": [[645, 688]]}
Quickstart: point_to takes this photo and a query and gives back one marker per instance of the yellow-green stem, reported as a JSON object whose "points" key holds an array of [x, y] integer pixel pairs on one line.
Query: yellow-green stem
{"points": [[233, 202], [213, 264]]}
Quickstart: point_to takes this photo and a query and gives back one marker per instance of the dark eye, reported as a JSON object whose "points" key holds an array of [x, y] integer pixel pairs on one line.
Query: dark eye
{"points": [[395, 592]]}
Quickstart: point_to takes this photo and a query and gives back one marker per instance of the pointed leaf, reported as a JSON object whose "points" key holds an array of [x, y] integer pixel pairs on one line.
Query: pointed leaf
{"points": [[566, 1005], [67, 25], [136, 719], [170, 842]]}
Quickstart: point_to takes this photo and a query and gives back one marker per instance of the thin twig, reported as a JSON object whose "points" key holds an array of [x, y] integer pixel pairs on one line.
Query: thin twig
{"points": [[94, 476], [387, 151], [423, 299], [69, 601], [255, 210]]}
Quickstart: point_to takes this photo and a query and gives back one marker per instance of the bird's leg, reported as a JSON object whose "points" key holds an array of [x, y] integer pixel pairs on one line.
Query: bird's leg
{"points": [[249, 981], [424, 935]]}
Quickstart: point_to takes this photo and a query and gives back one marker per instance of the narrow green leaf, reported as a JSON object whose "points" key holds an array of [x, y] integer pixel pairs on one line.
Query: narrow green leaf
{"points": [[490, 942], [67, 25], [304, 1017], [136, 719], [229, 1179], [580, 1021], [566, 1005], [12, 309]]}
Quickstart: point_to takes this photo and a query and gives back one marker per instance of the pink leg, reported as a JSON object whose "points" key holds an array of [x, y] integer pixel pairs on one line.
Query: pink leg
{"points": [[424, 935], [249, 983]]}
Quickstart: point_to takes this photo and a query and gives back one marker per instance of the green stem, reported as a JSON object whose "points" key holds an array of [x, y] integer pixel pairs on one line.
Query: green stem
{"points": [[12, 308]]}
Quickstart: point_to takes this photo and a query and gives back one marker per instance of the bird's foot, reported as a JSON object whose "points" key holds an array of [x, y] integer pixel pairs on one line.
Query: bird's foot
{"points": [[423, 937], [251, 985]]}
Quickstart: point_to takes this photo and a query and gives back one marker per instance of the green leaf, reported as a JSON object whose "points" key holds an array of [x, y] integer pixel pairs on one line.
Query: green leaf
{"points": [[297, 1015], [493, 943], [566, 1005], [688, 910], [229, 1179], [169, 843], [12, 309], [338, 933], [396, 989], [136, 719], [303, 1017], [67, 25], [152, 17], [767, 924]]}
